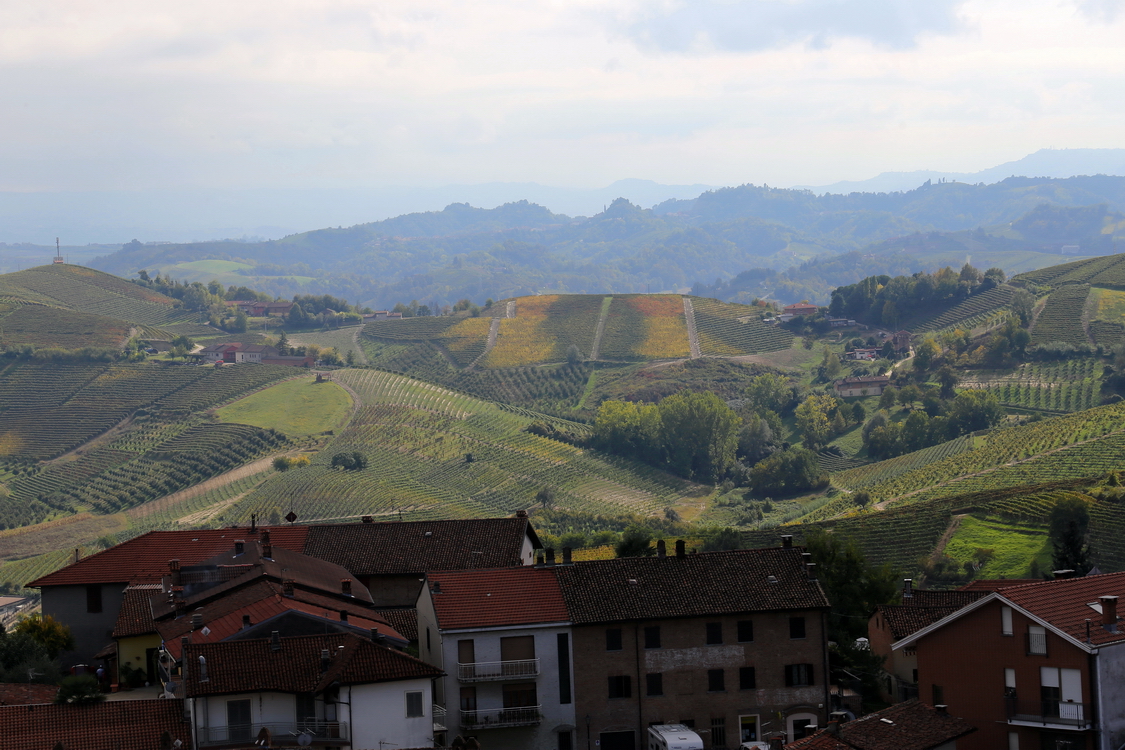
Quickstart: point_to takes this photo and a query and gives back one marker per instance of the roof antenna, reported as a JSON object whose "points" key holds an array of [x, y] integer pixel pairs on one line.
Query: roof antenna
{"points": [[58, 252]]}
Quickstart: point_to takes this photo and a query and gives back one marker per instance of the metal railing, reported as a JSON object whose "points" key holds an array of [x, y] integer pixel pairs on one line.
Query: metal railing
{"points": [[282, 733], [439, 718], [483, 671], [1048, 713], [494, 718]]}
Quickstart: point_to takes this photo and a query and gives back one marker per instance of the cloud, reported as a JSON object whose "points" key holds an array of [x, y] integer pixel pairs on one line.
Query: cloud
{"points": [[753, 25], [1105, 11]]}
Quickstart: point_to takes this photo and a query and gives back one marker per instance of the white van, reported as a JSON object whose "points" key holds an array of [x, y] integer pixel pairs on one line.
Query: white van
{"points": [[673, 737]]}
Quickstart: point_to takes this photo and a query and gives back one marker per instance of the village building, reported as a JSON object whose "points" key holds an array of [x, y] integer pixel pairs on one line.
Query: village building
{"points": [[337, 690], [908, 726], [801, 308], [840, 322], [732, 644], [865, 385], [1037, 665], [865, 354], [901, 341], [506, 652]]}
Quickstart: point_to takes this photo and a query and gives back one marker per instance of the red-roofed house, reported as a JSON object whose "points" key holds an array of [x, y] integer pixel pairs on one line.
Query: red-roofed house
{"points": [[506, 644], [908, 726], [113, 725], [1037, 665]]}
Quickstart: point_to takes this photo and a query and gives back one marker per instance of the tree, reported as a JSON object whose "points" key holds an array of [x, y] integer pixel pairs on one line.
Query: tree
{"points": [[786, 472], [1023, 305], [573, 356], [700, 435], [350, 357], [858, 413], [281, 463], [282, 343], [79, 688], [722, 539], [974, 410], [890, 314], [48, 632], [888, 398], [183, 341], [636, 541], [909, 394], [351, 461], [769, 391], [925, 353], [241, 322], [948, 380], [813, 421], [862, 499], [546, 497]]}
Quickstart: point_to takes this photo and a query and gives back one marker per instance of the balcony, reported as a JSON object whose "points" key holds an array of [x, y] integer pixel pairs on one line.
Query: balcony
{"points": [[497, 718], [439, 718], [1049, 714], [491, 671], [282, 733]]}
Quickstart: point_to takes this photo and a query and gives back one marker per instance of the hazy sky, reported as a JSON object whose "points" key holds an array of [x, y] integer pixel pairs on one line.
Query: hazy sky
{"points": [[120, 94]]}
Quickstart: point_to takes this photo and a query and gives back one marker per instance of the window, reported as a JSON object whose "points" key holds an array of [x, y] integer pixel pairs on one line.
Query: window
{"points": [[468, 699], [652, 636], [714, 633], [799, 675], [715, 681], [520, 695], [937, 692], [654, 683], [1036, 640], [1006, 621], [747, 680], [619, 686], [719, 732], [306, 708], [566, 741], [517, 648], [428, 646], [94, 598], [748, 728], [796, 627], [613, 639], [1013, 741], [414, 707], [1009, 683], [745, 631], [564, 669], [238, 720], [466, 651]]}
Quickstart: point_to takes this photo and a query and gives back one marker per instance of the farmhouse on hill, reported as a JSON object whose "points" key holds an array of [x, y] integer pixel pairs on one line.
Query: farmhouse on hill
{"points": [[866, 385], [801, 308]]}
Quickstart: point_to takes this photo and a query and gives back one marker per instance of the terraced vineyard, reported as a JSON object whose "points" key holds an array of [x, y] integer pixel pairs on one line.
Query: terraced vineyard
{"points": [[1108, 270], [869, 475], [971, 312], [40, 326], [1071, 385], [1061, 319], [467, 340], [645, 326], [418, 439], [408, 329], [722, 333], [987, 465]]}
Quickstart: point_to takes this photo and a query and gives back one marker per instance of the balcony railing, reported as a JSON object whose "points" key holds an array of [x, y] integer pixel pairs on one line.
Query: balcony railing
{"points": [[439, 718], [282, 733], [1057, 714], [495, 718], [484, 671]]}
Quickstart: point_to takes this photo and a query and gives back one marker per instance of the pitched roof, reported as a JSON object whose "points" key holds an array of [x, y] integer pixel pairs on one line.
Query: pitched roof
{"points": [[144, 559], [114, 725], [505, 596], [907, 620], [911, 725], [20, 694], [421, 546], [402, 619], [633, 588], [943, 598], [1065, 604], [995, 584], [136, 614], [253, 665]]}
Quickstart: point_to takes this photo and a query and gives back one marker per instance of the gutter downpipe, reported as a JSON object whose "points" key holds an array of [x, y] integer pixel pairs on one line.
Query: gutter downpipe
{"points": [[640, 693]]}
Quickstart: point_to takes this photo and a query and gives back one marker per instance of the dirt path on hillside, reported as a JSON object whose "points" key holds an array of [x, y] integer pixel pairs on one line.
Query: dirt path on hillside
{"points": [[599, 330], [493, 332], [692, 336], [360, 355], [259, 466], [939, 549]]}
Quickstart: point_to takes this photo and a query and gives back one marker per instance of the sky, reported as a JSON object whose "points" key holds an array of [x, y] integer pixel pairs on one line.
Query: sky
{"points": [[136, 95]]}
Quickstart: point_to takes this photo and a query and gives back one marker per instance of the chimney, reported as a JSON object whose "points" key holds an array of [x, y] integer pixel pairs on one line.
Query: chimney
{"points": [[253, 523], [521, 514], [367, 519], [343, 617], [436, 588], [77, 555], [811, 568], [550, 557], [196, 620], [287, 587], [1109, 611], [1062, 575], [907, 589], [174, 567], [267, 551], [833, 727], [538, 558], [346, 586], [245, 621], [324, 660], [377, 637], [265, 536], [239, 547], [275, 641], [942, 709], [681, 549], [787, 541], [566, 557], [179, 606], [661, 548], [184, 640], [806, 557]]}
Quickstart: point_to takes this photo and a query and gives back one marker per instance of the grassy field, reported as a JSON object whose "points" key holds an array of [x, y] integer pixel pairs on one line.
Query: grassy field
{"points": [[296, 407], [1014, 547]]}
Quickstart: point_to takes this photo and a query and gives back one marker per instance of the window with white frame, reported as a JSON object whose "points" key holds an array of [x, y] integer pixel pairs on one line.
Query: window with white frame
{"points": [[1006, 621], [415, 708]]}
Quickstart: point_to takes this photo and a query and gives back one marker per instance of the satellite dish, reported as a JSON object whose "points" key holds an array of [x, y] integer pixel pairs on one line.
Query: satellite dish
{"points": [[304, 739]]}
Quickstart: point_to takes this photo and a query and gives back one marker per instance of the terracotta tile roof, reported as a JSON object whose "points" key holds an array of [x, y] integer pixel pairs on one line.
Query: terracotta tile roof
{"points": [[404, 620], [114, 725], [253, 666], [421, 546], [506, 596], [136, 615], [995, 584], [905, 726], [262, 601], [144, 559], [17, 694], [633, 588], [1065, 604], [904, 621], [944, 598]]}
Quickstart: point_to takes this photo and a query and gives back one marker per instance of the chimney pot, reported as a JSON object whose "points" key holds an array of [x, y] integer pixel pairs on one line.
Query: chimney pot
{"points": [[550, 557], [1064, 574], [436, 588], [811, 568], [346, 586], [661, 548], [787, 541], [196, 620], [566, 557], [942, 709], [239, 547], [1109, 611], [681, 549], [275, 640]]}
